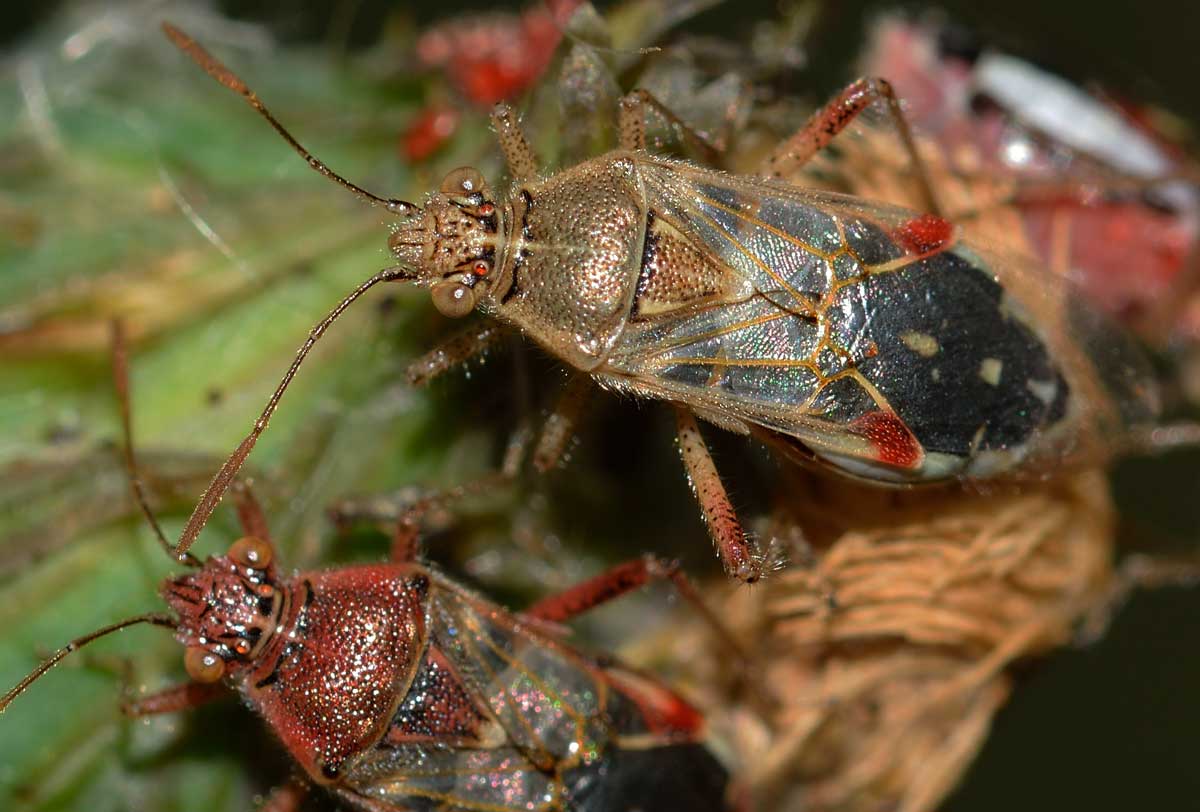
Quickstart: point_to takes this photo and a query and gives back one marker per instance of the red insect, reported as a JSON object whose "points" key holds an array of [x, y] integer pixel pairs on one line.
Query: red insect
{"points": [[394, 687], [487, 59]]}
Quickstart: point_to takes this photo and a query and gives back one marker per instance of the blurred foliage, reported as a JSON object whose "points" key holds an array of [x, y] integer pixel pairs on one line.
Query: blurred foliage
{"points": [[135, 188]]}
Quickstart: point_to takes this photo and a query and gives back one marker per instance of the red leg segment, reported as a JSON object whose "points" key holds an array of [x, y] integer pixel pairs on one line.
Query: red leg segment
{"points": [[739, 554], [830, 120], [620, 580], [250, 513], [286, 798], [453, 352], [180, 697]]}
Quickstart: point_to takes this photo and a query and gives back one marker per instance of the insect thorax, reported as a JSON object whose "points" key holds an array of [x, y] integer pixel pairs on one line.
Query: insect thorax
{"points": [[573, 258], [327, 685]]}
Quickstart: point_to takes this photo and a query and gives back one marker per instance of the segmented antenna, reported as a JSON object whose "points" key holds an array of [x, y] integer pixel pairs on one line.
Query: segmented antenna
{"points": [[120, 370], [214, 68], [120, 367], [156, 618], [220, 483]]}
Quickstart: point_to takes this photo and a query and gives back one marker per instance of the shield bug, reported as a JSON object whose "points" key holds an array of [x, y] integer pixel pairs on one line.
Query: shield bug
{"points": [[864, 337], [395, 688]]}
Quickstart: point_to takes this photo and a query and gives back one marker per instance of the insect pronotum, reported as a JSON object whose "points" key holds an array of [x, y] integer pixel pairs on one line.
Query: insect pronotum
{"points": [[865, 337], [395, 688]]}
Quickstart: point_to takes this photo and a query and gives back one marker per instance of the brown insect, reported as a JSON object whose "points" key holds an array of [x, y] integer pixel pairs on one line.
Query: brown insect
{"points": [[868, 338], [395, 688]]}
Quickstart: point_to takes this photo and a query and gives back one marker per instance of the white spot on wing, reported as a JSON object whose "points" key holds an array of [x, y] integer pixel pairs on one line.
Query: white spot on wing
{"points": [[1045, 391], [922, 344], [990, 370]]}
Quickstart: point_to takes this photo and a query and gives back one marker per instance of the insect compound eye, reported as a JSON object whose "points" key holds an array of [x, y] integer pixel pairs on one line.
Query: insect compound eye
{"points": [[481, 267], [251, 552], [329, 772], [202, 665], [465, 180], [452, 298]]}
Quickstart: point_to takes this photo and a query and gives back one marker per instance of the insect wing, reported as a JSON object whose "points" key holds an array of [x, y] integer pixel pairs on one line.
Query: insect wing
{"points": [[870, 334], [544, 694], [616, 738], [421, 777], [544, 703]]}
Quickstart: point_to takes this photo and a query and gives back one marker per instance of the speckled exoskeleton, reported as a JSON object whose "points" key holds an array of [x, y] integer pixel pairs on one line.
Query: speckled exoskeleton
{"points": [[868, 338]]}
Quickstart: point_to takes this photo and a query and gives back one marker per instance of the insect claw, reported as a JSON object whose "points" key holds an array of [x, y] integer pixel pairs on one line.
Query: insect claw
{"points": [[774, 557], [749, 570]]}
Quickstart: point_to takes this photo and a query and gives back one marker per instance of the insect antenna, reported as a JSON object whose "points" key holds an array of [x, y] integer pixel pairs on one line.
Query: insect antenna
{"points": [[120, 370], [214, 68], [156, 618], [220, 483]]}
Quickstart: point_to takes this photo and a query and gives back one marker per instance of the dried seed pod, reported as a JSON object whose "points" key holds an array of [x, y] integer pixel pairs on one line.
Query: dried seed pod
{"points": [[885, 648]]}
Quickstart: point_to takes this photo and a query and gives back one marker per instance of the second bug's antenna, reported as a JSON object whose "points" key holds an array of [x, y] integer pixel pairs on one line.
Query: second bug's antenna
{"points": [[154, 618], [120, 369], [214, 68], [220, 483]]}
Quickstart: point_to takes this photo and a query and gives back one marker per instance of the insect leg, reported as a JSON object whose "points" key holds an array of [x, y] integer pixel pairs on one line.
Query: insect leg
{"points": [[522, 163], [1080, 192], [286, 798], [120, 371], [560, 425], [1138, 571], [826, 123], [622, 579], [454, 351], [177, 698], [400, 514], [403, 514], [381, 510], [406, 535], [631, 124], [250, 513], [739, 554]]}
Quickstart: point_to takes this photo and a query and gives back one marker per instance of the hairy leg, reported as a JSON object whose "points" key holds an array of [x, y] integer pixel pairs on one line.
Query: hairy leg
{"points": [[829, 121]]}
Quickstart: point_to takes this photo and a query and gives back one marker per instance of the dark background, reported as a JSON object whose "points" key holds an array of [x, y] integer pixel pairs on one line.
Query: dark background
{"points": [[1149, 49], [1110, 727]]}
